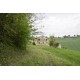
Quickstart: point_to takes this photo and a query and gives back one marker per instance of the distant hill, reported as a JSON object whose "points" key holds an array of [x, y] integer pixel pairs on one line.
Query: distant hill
{"points": [[70, 43]]}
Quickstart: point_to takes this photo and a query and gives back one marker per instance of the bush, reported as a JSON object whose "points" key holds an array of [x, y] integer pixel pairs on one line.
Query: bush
{"points": [[34, 43], [56, 45], [15, 29], [52, 42]]}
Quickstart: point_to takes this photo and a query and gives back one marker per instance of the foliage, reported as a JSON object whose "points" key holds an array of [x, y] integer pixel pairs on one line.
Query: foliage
{"points": [[15, 29], [56, 44], [36, 18], [34, 43], [51, 41]]}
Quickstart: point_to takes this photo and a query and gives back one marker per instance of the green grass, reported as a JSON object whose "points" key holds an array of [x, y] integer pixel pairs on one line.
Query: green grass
{"points": [[64, 56], [49, 56], [70, 43], [38, 56], [9, 55]]}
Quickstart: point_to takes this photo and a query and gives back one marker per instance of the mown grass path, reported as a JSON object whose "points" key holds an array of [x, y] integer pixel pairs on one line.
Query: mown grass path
{"points": [[49, 56], [39, 56]]}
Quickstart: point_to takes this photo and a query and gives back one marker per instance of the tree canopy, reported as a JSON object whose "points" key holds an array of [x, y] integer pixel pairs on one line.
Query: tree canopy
{"points": [[15, 28]]}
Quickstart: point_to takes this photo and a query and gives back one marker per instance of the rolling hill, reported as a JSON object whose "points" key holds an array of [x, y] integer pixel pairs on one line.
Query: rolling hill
{"points": [[70, 43]]}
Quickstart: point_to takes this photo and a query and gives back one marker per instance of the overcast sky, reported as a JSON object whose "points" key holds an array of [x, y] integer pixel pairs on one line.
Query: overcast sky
{"points": [[60, 24]]}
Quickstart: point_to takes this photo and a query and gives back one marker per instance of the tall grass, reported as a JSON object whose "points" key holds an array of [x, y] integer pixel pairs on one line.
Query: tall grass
{"points": [[10, 55], [38, 56]]}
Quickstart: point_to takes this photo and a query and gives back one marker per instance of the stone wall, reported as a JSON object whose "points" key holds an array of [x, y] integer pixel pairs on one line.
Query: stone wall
{"points": [[42, 40]]}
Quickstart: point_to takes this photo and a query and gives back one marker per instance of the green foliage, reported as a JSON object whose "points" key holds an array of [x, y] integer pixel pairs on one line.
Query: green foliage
{"points": [[34, 43], [52, 41], [56, 44], [15, 29]]}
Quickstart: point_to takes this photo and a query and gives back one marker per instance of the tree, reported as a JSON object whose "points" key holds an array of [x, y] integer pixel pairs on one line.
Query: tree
{"points": [[36, 18], [51, 41], [15, 29], [78, 35]]}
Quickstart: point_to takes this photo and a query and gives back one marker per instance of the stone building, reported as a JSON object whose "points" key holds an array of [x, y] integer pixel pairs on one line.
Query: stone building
{"points": [[41, 40]]}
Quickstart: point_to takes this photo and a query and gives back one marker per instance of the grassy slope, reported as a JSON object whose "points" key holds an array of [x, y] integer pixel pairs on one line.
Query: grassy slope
{"points": [[10, 55], [70, 43], [45, 55], [64, 56], [38, 55]]}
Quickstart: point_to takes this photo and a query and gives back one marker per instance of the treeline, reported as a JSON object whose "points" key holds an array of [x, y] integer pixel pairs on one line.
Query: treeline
{"points": [[69, 36], [15, 29]]}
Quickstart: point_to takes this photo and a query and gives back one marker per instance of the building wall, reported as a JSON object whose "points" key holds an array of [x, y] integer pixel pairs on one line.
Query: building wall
{"points": [[42, 40]]}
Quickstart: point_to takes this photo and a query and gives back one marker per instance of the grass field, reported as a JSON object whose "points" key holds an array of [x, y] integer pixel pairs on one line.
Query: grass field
{"points": [[70, 43], [49, 56], [40, 56]]}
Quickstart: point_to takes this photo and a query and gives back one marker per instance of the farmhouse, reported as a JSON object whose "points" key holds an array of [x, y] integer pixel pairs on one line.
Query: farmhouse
{"points": [[41, 40]]}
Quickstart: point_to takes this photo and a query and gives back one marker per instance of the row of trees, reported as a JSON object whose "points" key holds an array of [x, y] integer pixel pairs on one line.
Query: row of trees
{"points": [[69, 36], [15, 29]]}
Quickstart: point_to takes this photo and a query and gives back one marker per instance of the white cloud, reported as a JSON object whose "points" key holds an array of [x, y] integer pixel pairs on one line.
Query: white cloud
{"points": [[61, 24]]}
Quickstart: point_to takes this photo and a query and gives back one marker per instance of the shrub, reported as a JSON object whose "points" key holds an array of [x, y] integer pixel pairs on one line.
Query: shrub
{"points": [[51, 41], [15, 29], [56, 44], [34, 43]]}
